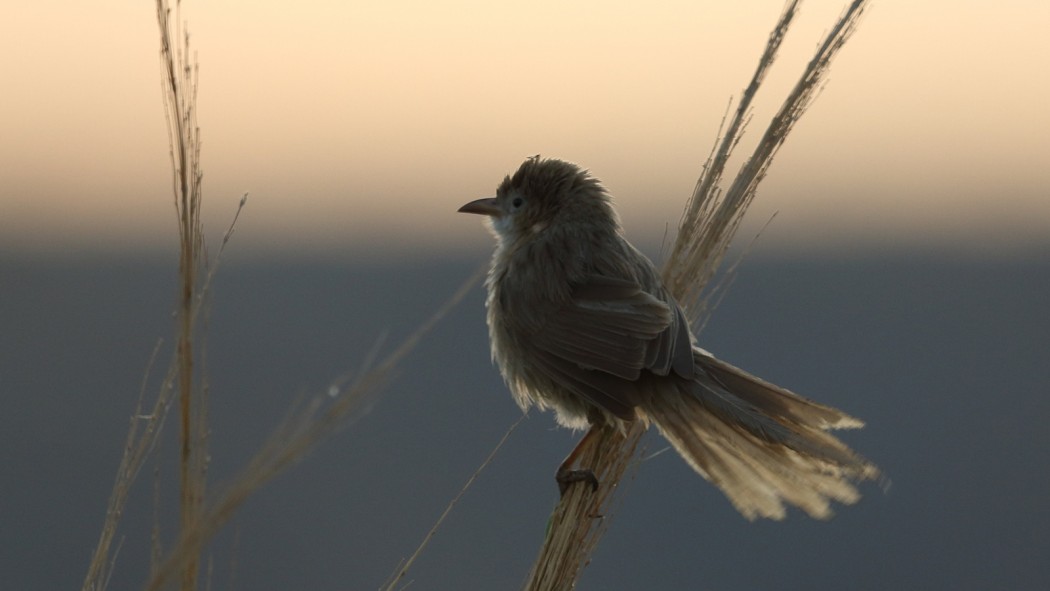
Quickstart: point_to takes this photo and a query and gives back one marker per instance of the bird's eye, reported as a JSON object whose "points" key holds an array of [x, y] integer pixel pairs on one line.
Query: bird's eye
{"points": [[518, 202]]}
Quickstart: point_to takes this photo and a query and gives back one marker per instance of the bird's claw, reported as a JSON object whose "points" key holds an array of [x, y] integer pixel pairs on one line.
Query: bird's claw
{"points": [[568, 477]]}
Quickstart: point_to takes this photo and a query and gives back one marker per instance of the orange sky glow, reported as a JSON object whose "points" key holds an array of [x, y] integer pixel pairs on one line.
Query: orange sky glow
{"points": [[362, 126]]}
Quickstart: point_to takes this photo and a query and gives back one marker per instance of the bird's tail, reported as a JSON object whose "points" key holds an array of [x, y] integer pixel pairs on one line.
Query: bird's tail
{"points": [[761, 444]]}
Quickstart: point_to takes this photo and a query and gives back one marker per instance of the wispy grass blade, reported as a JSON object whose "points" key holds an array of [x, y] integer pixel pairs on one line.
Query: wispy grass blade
{"points": [[403, 568], [179, 84], [300, 433], [709, 221], [142, 437]]}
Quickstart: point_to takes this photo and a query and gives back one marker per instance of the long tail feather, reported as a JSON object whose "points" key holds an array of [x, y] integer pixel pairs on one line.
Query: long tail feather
{"points": [[762, 445]]}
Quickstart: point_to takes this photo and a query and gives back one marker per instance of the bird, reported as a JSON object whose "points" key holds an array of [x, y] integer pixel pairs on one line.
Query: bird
{"points": [[581, 323]]}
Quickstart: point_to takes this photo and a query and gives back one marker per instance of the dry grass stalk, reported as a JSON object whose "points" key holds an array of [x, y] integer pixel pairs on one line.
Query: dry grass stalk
{"points": [[710, 221], [142, 436], [180, 96], [179, 92], [307, 425], [580, 518], [405, 565]]}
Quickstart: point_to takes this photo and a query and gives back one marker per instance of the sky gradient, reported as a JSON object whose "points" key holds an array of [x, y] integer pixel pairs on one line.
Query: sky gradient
{"points": [[359, 125]]}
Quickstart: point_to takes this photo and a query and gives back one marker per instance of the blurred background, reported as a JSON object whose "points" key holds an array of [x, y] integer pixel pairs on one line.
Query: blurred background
{"points": [[903, 278]]}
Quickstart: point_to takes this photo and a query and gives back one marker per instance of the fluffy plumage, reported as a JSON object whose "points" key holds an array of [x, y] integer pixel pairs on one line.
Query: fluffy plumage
{"points": [[580, 323]]}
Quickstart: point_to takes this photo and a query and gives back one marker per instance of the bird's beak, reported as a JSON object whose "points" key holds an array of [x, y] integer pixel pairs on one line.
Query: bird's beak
{"points": [[486, 206]]}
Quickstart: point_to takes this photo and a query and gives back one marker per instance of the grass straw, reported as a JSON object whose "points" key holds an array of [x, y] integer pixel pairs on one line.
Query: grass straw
{"points": [[201, 516], [140, 442], [180, 97], [708, 225], [179, 90], [402, 569]]}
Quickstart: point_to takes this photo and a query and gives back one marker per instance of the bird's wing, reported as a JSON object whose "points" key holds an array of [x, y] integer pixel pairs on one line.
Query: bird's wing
{"points": [[610, 330]]}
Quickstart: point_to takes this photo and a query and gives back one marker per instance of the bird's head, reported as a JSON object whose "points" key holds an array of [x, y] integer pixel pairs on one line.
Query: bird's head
{"points": [[545, 193]]}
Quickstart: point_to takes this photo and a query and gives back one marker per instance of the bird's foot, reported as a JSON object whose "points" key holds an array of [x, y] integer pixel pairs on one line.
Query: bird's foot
{"points": [[568, 477]]}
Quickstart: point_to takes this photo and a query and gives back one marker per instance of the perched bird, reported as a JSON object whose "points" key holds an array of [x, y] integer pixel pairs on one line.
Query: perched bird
{"points": [[581, 323]]}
